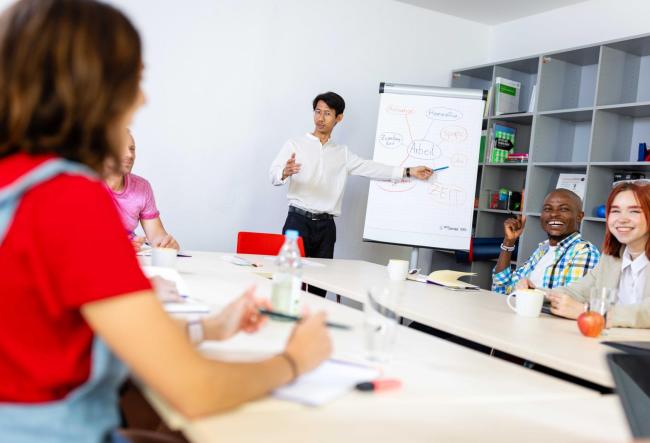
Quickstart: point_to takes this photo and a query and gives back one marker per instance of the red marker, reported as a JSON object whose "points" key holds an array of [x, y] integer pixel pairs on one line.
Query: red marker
{"points": [[379, 385]]}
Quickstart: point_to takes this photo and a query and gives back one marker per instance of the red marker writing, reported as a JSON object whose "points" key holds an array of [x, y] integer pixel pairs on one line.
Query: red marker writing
{"points": [[379, 385]]}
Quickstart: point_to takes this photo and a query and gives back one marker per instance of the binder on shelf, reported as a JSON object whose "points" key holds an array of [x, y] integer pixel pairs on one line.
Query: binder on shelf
{"points": [[506, 95]]}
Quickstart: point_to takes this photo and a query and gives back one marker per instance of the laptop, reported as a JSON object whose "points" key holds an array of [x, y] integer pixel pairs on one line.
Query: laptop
{"points": [[631, 373], [629, 346]]}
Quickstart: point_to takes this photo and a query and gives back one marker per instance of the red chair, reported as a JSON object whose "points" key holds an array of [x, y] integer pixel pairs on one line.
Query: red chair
{"points": [[262, 243]]}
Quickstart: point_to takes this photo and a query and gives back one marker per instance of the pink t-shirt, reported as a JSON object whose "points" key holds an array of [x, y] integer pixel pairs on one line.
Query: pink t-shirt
{"points": [[135, 202]]}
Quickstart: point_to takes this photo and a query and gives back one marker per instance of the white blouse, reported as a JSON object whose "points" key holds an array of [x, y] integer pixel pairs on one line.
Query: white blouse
{"points": [[632, 282]]}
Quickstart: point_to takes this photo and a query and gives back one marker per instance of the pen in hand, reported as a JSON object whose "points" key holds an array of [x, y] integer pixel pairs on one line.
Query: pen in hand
{"points": [[282, 316]]}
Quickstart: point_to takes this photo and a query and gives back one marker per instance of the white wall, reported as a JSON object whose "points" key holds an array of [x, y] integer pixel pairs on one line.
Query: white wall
{"points": [[228, 81], [581, 24]]}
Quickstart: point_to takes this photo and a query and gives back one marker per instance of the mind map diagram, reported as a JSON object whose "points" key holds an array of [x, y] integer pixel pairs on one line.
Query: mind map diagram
{"points": [[434, 137]]}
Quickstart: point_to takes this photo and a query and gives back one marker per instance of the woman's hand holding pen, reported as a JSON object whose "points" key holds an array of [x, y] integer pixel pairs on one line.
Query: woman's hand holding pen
{"points": [[310, 343], [242, 314]]}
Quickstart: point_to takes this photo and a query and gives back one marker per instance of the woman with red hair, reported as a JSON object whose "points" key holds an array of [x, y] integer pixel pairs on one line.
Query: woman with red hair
{"points": [[623, 264]]}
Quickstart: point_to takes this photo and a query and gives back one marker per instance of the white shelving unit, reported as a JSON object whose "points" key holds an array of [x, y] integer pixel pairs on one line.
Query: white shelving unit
{"points": [[592, 111]]}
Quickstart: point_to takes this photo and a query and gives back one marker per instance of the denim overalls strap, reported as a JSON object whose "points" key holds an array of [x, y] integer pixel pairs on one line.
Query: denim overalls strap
{"points": [[11, 194], [89, 412]]}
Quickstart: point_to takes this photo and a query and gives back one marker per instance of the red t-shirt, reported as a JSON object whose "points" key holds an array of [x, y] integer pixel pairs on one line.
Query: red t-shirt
{"points": [[65, 247]]}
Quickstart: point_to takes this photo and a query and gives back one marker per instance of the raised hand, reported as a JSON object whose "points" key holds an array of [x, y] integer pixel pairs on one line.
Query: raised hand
{"points": [[291, 167], [512, 229]]}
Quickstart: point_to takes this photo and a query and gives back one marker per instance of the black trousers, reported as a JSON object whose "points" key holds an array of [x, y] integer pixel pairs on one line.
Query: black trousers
{"points": [[318, 236]]}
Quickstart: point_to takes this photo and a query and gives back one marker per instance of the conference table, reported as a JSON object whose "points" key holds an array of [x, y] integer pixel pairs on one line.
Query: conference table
{"points": [[479, 316], [449, 393]]}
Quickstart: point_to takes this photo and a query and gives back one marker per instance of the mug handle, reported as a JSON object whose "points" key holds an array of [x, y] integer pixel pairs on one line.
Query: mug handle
{"points": [[509, 303]]}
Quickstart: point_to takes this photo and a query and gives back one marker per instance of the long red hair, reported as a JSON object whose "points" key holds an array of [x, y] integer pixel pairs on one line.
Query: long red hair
{"points": [[611, 246]]}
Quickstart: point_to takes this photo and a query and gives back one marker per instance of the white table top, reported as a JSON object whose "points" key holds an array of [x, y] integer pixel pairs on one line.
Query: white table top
{"points": [[443, 385], [562, 421], [479, 316]]}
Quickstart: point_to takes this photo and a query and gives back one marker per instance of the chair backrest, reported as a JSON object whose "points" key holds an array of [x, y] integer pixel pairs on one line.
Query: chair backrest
{"points": [[263, 243]]}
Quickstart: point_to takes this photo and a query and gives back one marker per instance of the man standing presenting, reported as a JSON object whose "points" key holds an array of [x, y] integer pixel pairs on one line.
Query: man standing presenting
{"points": [[563, 258], [317, 169]]}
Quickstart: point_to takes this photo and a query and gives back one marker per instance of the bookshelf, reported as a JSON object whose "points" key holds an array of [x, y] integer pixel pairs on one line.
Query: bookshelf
{"points": [[591, 111]]}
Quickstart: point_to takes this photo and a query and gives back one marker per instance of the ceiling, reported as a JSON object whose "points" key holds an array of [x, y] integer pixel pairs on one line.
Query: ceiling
{"points": [[491, 12]]}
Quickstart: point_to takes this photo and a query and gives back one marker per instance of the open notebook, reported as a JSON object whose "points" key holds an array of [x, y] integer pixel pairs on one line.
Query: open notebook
{"points": [[447, 279]]}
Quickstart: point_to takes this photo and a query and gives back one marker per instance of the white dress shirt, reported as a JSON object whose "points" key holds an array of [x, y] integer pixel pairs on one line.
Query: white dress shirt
{"points": [[537, 274], [632, 282], [319, 185]]}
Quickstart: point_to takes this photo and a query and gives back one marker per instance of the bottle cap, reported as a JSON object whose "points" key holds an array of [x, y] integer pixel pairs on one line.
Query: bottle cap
{"points": [[291, 234]]}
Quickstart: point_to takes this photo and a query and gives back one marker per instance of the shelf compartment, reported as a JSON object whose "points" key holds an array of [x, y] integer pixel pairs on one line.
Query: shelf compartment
{"points": [[474, 78], [522, 137], [574, 115], [616, 135], [501, 211], [625, 166], [561, 165], [513, 179], [593, 231], [524, 118], [568, 79], [543, 179], [490, 223], [594, 219], [640, 109], [599, 185], [523, 71], [562, 137], [625, 72], [507, 165]]}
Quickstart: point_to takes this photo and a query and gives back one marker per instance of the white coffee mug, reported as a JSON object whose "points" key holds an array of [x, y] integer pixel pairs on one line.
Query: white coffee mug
{"points": [[529, 302], [398, 270], [164, 257]]}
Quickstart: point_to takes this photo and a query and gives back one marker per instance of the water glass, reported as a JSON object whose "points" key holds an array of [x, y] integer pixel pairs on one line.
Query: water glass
{"points": [[380, 322], [601, 300]]}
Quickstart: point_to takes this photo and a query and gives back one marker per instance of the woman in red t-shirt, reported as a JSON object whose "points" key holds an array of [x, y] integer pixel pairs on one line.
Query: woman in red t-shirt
{"points": [[69, 86]]}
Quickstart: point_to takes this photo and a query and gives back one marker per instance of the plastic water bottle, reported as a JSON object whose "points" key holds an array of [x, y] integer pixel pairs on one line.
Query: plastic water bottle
{"points": [[287, 280]]}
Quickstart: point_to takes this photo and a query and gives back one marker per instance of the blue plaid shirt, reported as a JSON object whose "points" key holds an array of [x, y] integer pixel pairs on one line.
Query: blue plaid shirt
{"points": [[574, 257]]}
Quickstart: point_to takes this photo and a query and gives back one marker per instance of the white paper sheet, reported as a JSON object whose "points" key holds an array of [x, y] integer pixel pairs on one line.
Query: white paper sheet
{"points": [[189, 305], [330, 380]]}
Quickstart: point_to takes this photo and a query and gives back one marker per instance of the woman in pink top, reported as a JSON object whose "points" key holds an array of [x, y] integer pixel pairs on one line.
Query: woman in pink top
{"points": [[136, 203]]}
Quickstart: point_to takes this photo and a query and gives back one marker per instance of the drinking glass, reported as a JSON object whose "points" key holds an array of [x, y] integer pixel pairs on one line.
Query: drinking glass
{"points": [[601, 300], [380, 322]]}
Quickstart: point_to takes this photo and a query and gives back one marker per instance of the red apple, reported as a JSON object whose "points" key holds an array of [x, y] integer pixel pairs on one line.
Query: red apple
{"points": [[591, 323]]}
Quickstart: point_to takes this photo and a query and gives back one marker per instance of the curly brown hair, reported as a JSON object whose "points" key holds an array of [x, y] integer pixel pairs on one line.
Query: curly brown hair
{"points": [[69, 71]]}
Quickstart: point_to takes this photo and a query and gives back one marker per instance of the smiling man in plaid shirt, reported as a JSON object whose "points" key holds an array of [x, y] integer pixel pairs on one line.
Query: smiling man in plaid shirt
{"points": [[558, 261]]}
